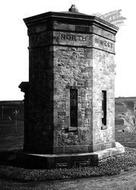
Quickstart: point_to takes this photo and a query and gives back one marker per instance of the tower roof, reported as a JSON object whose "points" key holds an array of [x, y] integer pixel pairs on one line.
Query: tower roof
{"points": [[70, 16]]}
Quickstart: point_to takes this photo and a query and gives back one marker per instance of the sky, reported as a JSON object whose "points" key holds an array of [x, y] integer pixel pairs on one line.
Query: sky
{"points": [[14, 63]]}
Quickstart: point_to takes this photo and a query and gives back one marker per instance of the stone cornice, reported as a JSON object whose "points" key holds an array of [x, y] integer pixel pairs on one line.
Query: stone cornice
{"points": [[68, 17]]}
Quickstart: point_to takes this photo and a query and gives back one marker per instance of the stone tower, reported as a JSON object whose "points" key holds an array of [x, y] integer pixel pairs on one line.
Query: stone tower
{"points": [[69, 99]]}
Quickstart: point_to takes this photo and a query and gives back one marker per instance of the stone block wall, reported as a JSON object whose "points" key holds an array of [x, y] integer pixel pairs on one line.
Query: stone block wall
{"points": [[103, 79], [39, 96], [69, 53], [89, 69], [72, 69]]}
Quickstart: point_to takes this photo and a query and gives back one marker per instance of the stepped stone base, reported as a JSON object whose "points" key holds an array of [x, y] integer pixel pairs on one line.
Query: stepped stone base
{"points": [[69, 160]]}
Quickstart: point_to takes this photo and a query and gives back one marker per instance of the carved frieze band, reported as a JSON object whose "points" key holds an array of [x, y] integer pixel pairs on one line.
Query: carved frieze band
{"points": [[86, 40], [71, 39]]}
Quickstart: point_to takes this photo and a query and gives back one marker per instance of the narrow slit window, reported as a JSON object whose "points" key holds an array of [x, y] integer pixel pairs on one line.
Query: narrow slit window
{"points": [[73, 107], [104, 107]]}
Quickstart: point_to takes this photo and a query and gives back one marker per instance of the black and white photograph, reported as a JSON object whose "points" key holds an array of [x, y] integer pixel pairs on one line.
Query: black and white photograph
{"points": [[67, 95]]}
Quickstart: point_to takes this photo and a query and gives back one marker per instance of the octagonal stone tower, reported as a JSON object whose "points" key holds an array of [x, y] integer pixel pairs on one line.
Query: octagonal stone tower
{"points": [[69, 99]]}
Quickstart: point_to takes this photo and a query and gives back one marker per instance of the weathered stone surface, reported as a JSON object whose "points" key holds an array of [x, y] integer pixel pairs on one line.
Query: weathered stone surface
{"points": [[72, 68], [72, 39], [103, 79], [84, 29], [80, 39], [102, 32], [69, 52], [72, 159]]}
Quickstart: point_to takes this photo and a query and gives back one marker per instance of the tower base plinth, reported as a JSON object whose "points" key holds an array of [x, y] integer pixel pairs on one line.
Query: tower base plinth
{"points": [[49, 161]]}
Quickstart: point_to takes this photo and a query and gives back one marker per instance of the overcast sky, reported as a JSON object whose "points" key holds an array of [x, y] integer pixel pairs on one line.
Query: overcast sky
{"points": [[14, 41]]}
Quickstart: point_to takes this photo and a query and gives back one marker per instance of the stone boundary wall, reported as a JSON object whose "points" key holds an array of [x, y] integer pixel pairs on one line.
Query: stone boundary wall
{"points": [[125, 122]]}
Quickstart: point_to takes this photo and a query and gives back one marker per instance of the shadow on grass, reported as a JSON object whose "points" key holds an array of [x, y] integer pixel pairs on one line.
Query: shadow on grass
{"points": [[17, 158], [10, 158]]}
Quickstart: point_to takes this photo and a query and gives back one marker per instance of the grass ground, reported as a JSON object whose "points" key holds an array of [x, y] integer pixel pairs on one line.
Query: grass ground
{"points": [[11, 135], [11, 138]]}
